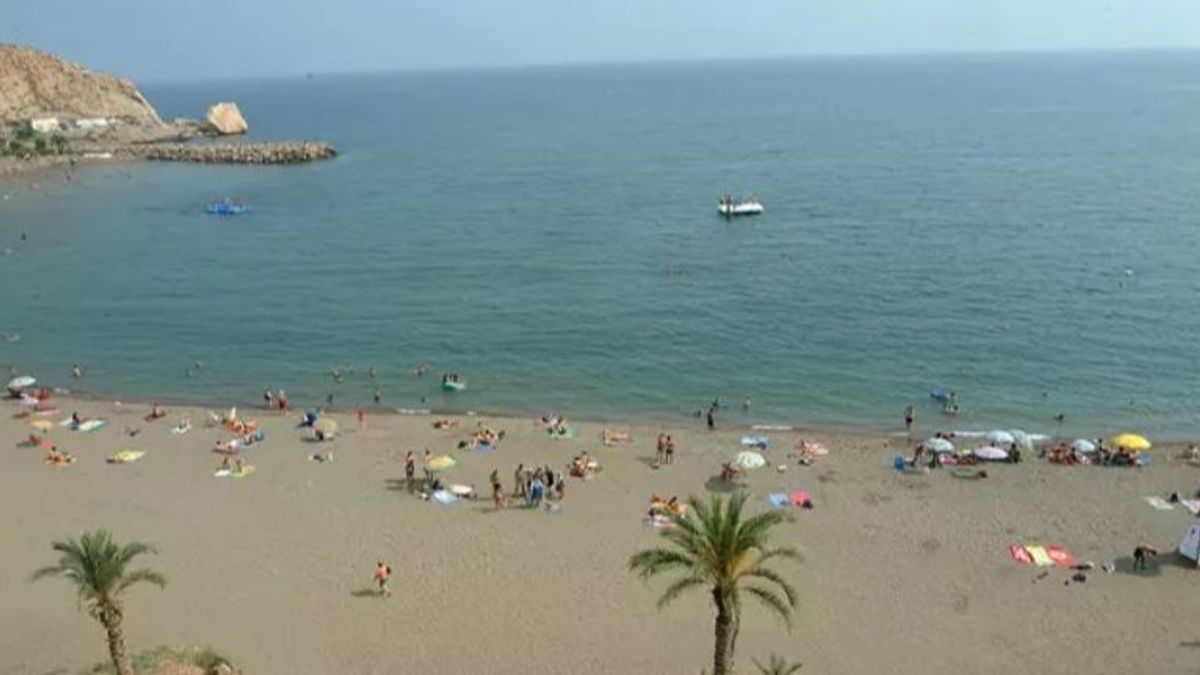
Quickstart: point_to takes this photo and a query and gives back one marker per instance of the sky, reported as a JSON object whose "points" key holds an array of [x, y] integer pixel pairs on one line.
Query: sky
{"points": [[165, 40]]}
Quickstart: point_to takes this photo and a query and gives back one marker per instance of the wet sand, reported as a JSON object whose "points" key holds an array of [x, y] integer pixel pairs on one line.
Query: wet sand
{"points": [[905, 573]]}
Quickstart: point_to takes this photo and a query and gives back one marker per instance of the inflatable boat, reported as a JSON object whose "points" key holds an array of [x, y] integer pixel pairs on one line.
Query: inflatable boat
{"points": [[750, 207], [226, 208]]}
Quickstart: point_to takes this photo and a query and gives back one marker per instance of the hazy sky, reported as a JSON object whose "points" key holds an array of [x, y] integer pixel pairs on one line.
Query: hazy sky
{"points": [[174, 39]]}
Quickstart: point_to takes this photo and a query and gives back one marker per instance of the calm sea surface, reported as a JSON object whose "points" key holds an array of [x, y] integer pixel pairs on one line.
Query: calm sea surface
{"points": [[1023, 229]]}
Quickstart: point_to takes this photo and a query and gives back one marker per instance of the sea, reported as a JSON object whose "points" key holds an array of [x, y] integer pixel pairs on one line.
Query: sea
{"points": [[1022, 229]]}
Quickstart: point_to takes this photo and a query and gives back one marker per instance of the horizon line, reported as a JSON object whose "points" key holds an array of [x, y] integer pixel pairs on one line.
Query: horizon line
{"points": [[583, 64]]}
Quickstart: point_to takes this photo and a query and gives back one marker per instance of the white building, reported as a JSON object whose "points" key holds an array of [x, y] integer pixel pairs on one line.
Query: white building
{"points": [[44, 125], [89, 123]]}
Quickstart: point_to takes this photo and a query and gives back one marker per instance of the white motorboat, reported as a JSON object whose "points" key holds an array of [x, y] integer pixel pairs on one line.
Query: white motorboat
{"points": [[749, 207]]}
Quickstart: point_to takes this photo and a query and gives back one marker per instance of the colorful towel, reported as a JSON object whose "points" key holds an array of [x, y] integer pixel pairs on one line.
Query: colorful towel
{"points": [[800, 497], [1159, 503], [778, 500], [1040, 557], [444, 497], [1019, 554], [1061, 556], [91, 425], [756, 441], [126, 457], [658, 522]]}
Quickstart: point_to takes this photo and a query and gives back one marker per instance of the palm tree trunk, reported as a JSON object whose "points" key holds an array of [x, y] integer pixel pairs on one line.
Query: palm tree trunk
{"points": [[116, 642], [722, 631]]}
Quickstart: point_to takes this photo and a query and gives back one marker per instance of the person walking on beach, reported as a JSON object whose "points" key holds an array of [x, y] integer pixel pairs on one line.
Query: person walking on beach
{"points": [[669, 448], [709, 419], [410, 470], [361, 415], [383, 573], [660, 450], [910, 416], [268, 399]]}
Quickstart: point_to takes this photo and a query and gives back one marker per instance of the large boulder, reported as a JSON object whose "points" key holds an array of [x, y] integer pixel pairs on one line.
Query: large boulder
{"points": [[227, 119]]}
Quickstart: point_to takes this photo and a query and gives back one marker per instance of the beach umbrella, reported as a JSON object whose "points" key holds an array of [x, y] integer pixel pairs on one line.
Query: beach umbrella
{"points": [[939, 445], [1000, 437], [1130, 442], [326, 426], [750, 460], [440, 463], [42, 425], [991, 453], [20, 382], [1083, 446]]}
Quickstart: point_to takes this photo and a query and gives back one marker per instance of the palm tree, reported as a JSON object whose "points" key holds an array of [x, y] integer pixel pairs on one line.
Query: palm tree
{"points": [[777, 666], [713, 547], [97, 566]]}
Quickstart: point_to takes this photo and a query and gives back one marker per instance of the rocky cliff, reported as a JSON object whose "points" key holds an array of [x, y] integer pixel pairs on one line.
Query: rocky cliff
{"points": [[37, 84]]}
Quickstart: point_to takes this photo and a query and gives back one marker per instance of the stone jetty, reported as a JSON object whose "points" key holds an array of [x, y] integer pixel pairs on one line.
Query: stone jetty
{"points": [[284, 152]]}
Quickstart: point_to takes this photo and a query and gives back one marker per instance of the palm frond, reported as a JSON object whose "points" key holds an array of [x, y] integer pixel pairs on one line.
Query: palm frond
{"points": [[772, 576], [141, 575], [678, 588], [656, 560], [773, 602]]}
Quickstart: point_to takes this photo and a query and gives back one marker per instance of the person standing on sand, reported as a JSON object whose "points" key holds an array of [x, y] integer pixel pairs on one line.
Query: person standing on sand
{"points": [[669, 447], [361, 415], [268, 399], [660, 450], [709, 419], [497, 489], [410, 470], [910, 416], [383, 573], [519, 490]]}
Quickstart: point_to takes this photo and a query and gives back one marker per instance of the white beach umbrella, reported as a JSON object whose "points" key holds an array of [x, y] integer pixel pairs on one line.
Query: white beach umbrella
{"points": [[20, 382], [939, 445], [1083, 446], [991, 453], [999, 437]]}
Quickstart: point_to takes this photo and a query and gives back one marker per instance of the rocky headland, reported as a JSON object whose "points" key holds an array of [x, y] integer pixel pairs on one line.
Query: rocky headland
{"points": [[54, 111]]}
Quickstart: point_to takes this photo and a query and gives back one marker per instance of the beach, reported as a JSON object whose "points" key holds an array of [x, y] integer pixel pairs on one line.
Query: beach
{"points": [[904, 572]]}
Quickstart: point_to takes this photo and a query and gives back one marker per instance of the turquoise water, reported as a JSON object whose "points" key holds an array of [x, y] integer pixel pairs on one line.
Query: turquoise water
{"points": [[1022, 229]]}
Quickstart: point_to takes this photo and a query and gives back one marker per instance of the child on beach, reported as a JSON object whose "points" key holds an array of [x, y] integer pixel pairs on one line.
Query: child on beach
{"points": [[383, 573]]}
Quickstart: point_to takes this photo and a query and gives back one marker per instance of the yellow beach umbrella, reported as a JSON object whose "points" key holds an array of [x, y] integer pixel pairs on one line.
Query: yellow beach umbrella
{"points": [[42, 425], [1130, 442], [440, 463]]}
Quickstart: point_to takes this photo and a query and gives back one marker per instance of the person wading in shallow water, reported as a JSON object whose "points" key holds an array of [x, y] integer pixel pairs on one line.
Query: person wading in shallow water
{"points": [[910, 416]]}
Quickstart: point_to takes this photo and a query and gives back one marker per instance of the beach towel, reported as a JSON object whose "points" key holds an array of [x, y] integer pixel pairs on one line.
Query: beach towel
{"points": [[898, 463], [1192, 505], [484, 447], [238, 473], [800, 497], [756, 441], [1159, 503], [181, 429], [444, 497], [126, 457], [778, 500], [1061, 556], [1019, 554], [567, 433], [1039, 555], [91, 425]]}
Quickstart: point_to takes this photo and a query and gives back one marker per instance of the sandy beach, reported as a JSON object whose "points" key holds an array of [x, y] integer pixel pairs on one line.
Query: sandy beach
{"points": [[905, 573]]}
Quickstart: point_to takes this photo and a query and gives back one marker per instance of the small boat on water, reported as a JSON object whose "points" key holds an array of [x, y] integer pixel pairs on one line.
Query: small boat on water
{"points": [[453, 383], [227, 207], [729, 208]]}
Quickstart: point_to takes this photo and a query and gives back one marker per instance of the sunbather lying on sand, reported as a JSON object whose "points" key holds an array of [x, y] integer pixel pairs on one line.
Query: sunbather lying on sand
{"points": [[611, 437], [729, 472], [443, 423], [56, 458]]}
